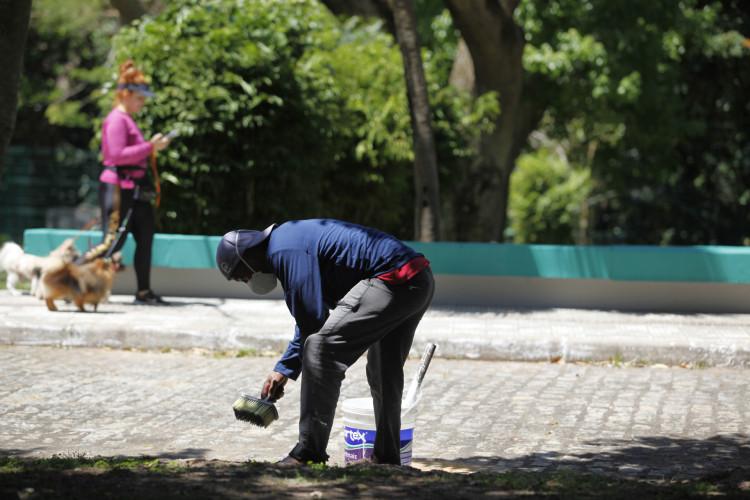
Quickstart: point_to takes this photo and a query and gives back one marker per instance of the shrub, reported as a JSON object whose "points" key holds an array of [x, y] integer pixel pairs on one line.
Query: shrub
{"points": [[546, 199]]}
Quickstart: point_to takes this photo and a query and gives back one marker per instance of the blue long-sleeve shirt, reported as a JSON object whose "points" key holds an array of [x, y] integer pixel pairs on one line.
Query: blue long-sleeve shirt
{"points": [[317, 262]]}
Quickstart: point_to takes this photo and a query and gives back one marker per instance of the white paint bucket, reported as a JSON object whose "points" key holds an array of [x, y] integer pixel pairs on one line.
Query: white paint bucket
{"points": [[359, 430]]}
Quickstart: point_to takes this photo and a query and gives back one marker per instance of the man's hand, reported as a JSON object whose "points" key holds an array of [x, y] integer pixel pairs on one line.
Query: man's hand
{"points": [[274, 386]]}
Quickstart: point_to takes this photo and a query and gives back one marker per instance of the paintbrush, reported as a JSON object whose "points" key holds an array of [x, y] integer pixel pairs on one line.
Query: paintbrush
{"points": [[260, 412]]}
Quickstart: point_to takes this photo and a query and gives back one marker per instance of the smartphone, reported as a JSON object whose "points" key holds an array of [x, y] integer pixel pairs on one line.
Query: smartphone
{"points": [[172, 134]]}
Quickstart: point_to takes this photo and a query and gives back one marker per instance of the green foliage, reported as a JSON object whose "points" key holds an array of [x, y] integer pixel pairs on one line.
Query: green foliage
{"points": [[254, 120], [599, 67], [285, 112], [373, 166], [62, 64], [438, 36], [259, 114], [546, 199], [634, 90]]}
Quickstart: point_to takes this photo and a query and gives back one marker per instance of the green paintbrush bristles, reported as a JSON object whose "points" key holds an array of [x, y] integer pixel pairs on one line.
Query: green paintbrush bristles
{"points": [[260, 412]]}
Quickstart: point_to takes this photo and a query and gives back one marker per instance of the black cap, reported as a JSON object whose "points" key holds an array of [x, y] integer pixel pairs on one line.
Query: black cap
{"points": [[234, 243], [141, 88]]}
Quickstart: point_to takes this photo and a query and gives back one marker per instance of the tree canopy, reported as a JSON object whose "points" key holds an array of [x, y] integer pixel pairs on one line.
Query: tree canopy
{"points": [[649, 96], [286, 111]]}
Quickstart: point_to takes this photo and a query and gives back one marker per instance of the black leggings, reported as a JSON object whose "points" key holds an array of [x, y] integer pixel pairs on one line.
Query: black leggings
{"points": [[141, 225]]}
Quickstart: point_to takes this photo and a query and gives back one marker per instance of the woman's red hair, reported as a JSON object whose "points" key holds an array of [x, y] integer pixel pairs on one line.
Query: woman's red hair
{"points": [[128, 74]]}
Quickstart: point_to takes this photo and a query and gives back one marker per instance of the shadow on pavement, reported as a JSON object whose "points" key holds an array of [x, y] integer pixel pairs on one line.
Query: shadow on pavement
{"points": [[187, 303], [168, 477], [656, 458]]}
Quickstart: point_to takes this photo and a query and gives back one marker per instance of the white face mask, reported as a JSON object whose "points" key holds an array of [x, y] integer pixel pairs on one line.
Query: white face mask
{"points": [[260, 283]]}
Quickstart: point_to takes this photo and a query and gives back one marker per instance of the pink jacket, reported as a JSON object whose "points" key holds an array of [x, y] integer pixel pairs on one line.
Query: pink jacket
{"points": [[123, 144]]}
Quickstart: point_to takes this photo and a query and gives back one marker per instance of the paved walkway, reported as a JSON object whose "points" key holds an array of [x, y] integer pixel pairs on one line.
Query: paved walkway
{"points": [[128, 390], [649, 423], [460, 332]]}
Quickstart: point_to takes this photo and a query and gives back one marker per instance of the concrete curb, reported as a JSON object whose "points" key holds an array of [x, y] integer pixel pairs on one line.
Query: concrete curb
{"points": [[495, 334]]}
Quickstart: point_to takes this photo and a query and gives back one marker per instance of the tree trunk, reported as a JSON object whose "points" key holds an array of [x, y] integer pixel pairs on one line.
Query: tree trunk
{"points": [[496, 45], [462, 72], [14, 26], [364, 8], [426, 186], [400, 20], [129, 10]]}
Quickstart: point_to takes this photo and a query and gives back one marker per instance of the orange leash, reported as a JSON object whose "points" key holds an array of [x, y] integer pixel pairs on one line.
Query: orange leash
{"points": [[91, 223], [156, 178]]}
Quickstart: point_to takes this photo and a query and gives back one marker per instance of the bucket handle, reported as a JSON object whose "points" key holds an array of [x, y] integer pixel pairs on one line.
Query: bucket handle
{"points": [[415, 394], [412, 408]]}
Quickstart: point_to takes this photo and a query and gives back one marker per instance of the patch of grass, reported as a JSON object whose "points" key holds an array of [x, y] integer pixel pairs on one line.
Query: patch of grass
{"points": [[77, 461], [639, 363], [22, 285], [695, 365], [617, 359], [78, 476], [239, 353]]}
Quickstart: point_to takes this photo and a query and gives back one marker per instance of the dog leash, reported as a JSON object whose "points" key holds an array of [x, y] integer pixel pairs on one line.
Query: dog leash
{"points": [[91, 223], [157, 183], [116, 230], [120, 229]]}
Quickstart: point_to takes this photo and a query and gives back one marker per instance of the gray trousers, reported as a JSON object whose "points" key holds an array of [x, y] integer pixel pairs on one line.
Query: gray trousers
{"points": [[374, 316]]}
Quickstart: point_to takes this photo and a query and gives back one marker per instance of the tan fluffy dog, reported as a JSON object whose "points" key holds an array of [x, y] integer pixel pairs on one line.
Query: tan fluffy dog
{"points": [[87, 283]]}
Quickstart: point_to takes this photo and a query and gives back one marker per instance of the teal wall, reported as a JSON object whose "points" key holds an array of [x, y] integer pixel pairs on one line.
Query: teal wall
{"points": [[712, 264], [169, 250], [624, 263]]}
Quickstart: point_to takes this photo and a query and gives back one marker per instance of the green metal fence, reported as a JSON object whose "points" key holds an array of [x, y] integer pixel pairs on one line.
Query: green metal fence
{"points": [[42, 187]]}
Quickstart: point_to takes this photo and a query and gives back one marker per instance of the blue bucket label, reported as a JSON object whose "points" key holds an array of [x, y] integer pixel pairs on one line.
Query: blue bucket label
{"points": [[358, 444]]}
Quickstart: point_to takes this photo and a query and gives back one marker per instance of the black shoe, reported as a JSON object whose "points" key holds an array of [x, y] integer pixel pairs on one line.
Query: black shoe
{"points": [[286, 461], [149, 299]]}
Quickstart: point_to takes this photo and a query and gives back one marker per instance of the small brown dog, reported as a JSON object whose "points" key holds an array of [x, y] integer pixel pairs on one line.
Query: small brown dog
{"points": [[87, 283]]}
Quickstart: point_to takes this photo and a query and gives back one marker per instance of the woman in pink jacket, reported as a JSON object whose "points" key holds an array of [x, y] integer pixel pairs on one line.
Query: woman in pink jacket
{"points": [[123, 183]]}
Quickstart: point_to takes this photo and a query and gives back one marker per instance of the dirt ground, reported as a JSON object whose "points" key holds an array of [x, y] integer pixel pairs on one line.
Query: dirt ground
{"points": [[144, 479]]}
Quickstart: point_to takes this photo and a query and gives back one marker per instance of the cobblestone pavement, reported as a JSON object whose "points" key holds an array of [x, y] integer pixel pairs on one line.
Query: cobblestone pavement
{"points": [[649, 422]]}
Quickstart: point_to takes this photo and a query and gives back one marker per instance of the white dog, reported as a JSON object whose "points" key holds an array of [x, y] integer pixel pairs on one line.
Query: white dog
{"points": [[19, 265]]}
